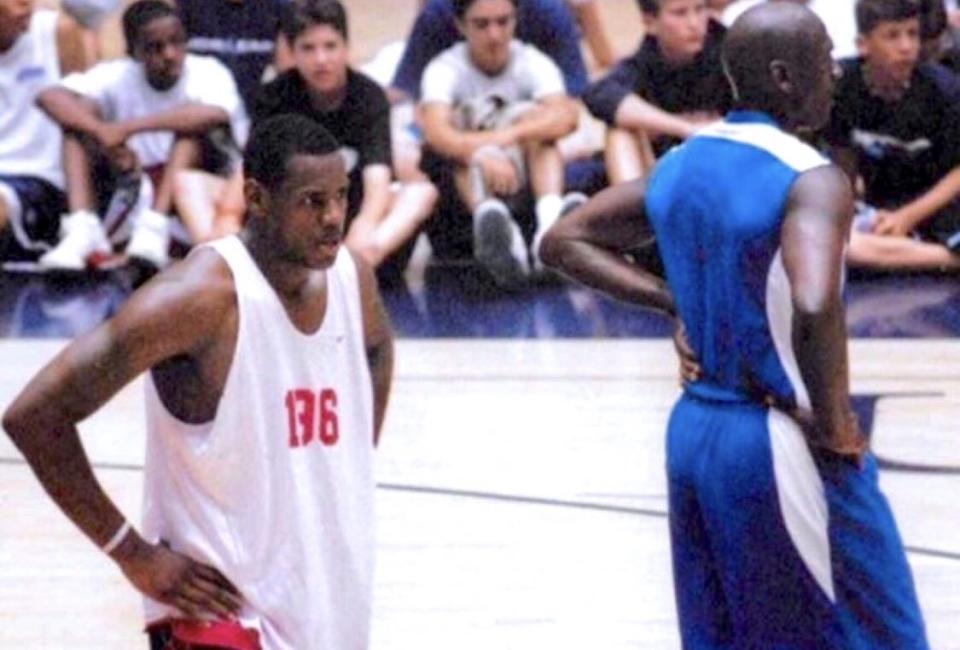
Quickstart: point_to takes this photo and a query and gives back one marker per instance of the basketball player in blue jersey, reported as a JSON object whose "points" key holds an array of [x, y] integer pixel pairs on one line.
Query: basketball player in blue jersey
{"points": [[269, 359], [780, 536]]}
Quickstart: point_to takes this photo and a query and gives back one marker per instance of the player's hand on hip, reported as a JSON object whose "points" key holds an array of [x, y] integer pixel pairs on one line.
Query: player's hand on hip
{"points": [[846, 444], [197, 590], [690, 370]]}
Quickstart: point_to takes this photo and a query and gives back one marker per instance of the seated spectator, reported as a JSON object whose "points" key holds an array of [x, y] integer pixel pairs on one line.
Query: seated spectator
{"points": [[671, 86], [160, 110], [36, 47], [321, 85], [244, 35], [545, 24], [894, 128], [494, 108], [588, 15]]}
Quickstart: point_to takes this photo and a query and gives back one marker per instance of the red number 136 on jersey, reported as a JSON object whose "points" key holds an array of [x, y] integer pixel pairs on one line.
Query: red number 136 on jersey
{"points": [[303, 408]]}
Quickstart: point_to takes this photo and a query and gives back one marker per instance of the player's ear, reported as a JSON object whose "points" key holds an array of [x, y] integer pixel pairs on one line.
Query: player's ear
{"points": [[782, 76], [257, 197]]}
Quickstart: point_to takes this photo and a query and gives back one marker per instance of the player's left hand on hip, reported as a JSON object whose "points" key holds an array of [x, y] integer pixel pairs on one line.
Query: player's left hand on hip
{"points": [[690, 370]]}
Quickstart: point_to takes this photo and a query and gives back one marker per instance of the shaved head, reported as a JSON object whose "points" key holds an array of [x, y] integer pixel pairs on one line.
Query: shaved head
{"points": [[777, 58]]}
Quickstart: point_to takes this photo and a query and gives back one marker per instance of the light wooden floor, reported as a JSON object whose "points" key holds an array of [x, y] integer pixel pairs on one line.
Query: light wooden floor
{"points": [[521, 501]]}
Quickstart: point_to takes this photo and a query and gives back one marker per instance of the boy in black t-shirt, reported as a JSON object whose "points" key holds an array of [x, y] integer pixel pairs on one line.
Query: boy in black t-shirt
{"points": [[672, 85], [322, 86], [895, 127]]}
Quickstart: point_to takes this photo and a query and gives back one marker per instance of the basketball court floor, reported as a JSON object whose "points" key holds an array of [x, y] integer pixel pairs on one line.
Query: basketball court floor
{"points": [[521, 499]]}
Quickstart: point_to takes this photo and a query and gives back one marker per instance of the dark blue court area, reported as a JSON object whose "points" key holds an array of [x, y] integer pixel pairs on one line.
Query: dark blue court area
{"points": [[458, 301]]}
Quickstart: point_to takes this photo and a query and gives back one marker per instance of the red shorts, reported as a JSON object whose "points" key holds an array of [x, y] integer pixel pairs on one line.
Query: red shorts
{"points": [[179, 634]]}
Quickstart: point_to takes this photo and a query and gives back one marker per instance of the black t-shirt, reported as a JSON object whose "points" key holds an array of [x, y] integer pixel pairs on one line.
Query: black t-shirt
{"points": [[903, 147], [697, 86], [361, 123]]}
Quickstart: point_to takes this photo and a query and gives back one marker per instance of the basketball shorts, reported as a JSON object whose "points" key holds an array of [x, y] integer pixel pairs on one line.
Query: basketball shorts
{"points": [[34, 207], [775, 547], [190, 635]]}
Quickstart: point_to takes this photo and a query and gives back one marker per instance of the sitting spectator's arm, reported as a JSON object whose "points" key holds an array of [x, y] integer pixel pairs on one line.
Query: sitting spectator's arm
{"points": [[549, 26], [73, 112], [614, 100], [591, 23], [70, 46], [552, 118], [436, 120], [907, 217], [192, 118], [634, 112]]}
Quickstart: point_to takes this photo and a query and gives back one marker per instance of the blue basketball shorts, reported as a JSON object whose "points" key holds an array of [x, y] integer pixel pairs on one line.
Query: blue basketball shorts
{"points": [[776, 548]]}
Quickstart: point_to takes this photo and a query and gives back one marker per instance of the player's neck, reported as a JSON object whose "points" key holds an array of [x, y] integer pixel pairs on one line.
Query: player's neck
{"points": [[286, 277]]}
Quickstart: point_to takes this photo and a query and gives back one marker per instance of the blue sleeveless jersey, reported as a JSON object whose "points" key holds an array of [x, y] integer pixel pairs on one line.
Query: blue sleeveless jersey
{"points": [[716, 204]]}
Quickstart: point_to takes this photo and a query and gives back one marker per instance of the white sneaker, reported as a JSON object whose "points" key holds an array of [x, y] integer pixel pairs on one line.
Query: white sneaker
{"points": [[498, 244], [150, 240], [81, 238], [572, 201]]}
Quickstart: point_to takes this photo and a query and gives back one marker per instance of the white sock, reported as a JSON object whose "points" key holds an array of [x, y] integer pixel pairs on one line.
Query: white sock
{"points": [[547, 211]]}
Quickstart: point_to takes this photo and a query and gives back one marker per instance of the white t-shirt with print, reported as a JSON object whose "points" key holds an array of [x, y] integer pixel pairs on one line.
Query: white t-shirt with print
{"points": [[452, 78], [121, 92]]}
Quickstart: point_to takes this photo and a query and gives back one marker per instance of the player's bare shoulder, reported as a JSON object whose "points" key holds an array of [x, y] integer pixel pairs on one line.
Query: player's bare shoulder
{"points": [[183, 310]]}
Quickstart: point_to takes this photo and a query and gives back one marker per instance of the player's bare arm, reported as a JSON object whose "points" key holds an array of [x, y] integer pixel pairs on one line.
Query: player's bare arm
{"points": [[590, 246], [378, 342], [818, 214], [181, 313]]}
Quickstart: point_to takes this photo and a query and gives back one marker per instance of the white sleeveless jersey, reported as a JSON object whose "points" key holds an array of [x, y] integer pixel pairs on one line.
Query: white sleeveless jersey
{"points": [[277, 491], [31, 143]]}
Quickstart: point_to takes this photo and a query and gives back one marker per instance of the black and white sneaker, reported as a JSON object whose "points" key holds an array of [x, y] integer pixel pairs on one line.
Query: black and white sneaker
{"points": [[498, 244]]}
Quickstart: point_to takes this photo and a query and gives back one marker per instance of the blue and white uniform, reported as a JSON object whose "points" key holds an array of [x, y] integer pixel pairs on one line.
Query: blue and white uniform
{"points": [[772, 548]]}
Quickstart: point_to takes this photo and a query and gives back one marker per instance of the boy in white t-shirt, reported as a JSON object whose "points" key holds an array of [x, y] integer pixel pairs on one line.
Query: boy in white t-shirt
{"points": [[495, 108], [146, 116]]}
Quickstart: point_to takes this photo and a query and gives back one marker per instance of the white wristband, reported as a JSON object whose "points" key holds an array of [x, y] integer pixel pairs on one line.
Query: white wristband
{"points": [[118, 536]]}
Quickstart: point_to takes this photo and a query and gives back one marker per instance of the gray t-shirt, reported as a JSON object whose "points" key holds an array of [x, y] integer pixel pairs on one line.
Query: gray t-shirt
{"points": [[451, 78]]}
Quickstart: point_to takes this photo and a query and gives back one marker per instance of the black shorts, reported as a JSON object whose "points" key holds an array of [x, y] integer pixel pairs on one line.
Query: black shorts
{"points": [[37, 227]]}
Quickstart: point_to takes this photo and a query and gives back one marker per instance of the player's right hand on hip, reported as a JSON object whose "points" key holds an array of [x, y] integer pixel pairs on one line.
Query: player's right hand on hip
{"points": [[199, 591]]}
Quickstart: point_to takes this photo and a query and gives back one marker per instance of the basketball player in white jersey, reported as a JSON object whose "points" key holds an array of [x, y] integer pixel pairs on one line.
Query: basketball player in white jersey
{"points": [[37, 47], [270, 360]]}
